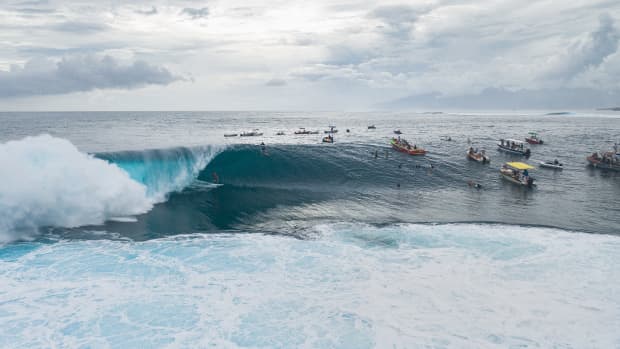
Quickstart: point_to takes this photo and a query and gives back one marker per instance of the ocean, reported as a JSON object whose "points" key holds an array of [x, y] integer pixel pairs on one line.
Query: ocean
{"points": [[113, 232]]}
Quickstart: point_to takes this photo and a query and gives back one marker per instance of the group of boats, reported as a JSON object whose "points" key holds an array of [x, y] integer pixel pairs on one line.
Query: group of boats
{"points": [[514, 171], [253, 133], [329, 138]]}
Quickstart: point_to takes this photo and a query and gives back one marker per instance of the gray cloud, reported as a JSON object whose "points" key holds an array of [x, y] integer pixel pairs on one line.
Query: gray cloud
{"points": [[34, 11], [152, 11], [79, 27], [589, 52], [32, 3], [196, 13], [276, 82], [397, 20], [80, 73]]}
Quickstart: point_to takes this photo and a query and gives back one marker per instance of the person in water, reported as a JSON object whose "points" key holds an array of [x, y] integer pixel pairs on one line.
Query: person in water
{"points": [[216, 178]]}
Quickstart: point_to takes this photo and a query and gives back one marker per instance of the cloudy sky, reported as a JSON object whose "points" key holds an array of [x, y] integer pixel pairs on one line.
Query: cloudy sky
{"points": [[301, 55]]}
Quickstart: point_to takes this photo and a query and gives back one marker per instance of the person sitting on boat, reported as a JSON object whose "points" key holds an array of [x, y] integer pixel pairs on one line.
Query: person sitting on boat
{"points": [[415, 147], [556, 162]]}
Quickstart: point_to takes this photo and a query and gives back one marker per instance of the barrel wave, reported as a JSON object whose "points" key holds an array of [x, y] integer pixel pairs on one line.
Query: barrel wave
{"points": [[283, 189]]}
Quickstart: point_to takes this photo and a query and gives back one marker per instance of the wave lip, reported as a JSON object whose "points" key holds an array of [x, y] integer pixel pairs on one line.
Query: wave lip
{"points": [[47, 181], [163, 171]]}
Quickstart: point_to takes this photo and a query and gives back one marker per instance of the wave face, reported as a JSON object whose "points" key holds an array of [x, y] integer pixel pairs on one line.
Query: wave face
{"points": [[47, 181], [351, 286], [163, 171], [289, 185]]}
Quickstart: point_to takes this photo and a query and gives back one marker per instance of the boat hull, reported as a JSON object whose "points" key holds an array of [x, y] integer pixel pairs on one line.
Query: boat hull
{"points": [[409, 151], [534, 141], [512, 180], [551, 166], [596, 163], [513, 151], [483, 159]]}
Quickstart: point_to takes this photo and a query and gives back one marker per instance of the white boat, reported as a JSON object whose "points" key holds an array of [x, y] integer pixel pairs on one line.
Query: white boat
{"points": [[517, 173], [513, 146], [328, 139], [398, 132], [303, 131], [479, 156], [253, 133], [551, 164]]}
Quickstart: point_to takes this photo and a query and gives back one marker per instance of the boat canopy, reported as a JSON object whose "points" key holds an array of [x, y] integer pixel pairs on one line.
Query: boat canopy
{"points": [[514, 140], [519, 165]]}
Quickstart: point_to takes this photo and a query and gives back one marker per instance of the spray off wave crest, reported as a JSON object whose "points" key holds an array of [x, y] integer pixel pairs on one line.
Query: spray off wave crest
{"points": [[47, 181]]}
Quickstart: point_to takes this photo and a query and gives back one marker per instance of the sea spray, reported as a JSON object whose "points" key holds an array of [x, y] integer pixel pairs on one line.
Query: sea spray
{"points": [[47, 181]]}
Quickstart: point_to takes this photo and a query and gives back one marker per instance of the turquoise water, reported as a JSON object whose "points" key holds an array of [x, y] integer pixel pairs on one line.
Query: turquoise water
{"points": [[113, 235]]}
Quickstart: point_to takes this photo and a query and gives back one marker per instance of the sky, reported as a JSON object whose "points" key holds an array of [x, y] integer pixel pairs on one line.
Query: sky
{"points": [[308, 55]]}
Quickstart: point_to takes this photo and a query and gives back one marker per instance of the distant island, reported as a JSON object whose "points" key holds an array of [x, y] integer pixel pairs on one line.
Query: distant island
{"points": [[611, 108], [559, 113]]}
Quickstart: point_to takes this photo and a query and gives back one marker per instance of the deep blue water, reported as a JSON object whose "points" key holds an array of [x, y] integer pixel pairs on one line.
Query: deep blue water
{"points": [[304, 244]]}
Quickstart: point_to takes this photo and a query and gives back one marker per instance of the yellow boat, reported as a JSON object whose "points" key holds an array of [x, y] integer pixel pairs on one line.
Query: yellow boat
{"points": [[517, 173]]}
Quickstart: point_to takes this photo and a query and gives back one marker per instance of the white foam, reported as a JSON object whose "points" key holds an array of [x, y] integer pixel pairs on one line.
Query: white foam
{"points": [[354, 286], [47, 181]]}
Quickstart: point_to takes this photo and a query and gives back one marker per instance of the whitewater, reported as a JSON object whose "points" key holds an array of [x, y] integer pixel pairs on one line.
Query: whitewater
{"points": [[113, 234], [350, 286]]}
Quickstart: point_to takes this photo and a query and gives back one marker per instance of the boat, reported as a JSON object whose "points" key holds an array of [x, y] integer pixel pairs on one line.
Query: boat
{"points": [[555, 164], [533, 138], [253, 133], [605, 161], [280, 133], [397, 132], [446, 138], [372, 127], [403, 146], [230, 135], [513, 146], [328, 139], [479, 156], [332, 129], [303, 131], [517, 173]]}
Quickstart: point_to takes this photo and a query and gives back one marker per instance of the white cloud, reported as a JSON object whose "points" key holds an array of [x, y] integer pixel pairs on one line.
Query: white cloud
{"points": [[368, 50]]}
